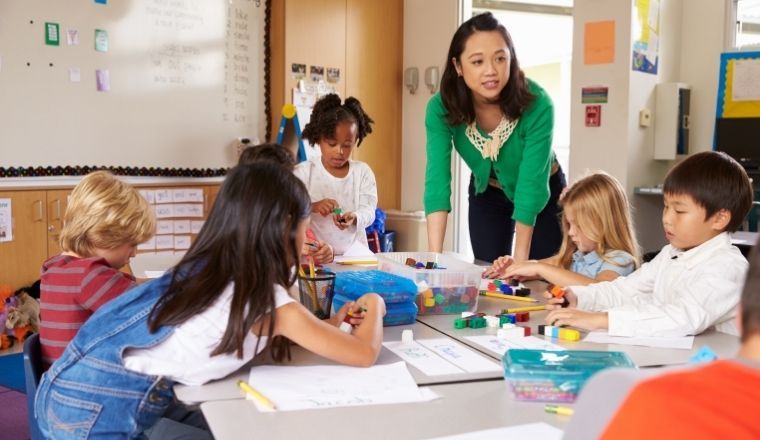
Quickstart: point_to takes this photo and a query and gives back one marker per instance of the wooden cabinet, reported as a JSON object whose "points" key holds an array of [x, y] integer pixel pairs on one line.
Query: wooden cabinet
{"points": [[37, 220], [21, 258]]}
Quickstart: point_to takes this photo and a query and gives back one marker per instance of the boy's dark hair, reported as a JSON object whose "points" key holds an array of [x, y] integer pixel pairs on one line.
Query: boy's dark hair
{"points": [[750, 302], [715, 181], [329, 111], [457, 97], [249, 239], [275, 153]]}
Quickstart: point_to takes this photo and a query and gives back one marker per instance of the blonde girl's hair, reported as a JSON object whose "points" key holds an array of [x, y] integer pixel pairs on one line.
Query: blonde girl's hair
{"points": [[602, 212], [104, 213]]}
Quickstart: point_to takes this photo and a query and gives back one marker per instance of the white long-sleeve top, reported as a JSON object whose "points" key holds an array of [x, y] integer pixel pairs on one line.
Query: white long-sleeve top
{"points": [[357, 192], [678, 293]]}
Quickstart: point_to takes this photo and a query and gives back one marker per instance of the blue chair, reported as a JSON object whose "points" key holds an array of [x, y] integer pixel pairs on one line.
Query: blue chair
{"points": [[32, 372]]}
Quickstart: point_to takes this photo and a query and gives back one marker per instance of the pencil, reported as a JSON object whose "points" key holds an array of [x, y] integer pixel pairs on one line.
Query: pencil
{"points": [[257, 396], [561, 410], [312, 272], [525, 309], [509, 297]]}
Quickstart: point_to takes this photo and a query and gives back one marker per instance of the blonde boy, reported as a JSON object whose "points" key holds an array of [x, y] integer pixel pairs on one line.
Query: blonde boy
{"points": [[694, 282], [104, 222]]}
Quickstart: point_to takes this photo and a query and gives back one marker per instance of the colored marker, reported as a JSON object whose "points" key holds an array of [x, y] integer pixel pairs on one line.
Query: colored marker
{"points": [[524, 309], [561, 410], [257, 396], [503, 296]]}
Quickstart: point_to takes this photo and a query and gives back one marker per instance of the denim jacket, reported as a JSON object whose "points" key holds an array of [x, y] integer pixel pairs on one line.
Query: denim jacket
{"points": [[87, 392]]}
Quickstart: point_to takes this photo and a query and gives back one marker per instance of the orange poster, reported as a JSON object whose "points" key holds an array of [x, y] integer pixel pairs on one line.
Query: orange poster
{"points": [[599, 42]]}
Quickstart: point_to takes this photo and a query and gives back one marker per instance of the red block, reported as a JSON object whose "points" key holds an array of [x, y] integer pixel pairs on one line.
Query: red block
{"points": [[522, 317]]}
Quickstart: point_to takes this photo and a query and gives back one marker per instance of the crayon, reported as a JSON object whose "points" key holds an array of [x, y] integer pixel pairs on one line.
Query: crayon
{"points": [[257, 396], [561, 410], [525, 309], [504, 296]]}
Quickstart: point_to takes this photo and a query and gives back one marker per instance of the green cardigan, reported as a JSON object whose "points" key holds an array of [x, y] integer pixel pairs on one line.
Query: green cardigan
{"points": [[522, 167]]}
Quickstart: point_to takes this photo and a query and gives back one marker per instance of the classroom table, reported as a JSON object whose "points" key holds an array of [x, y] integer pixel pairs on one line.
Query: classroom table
{"points": [[724, 345], [461, 408], [227, 388]]}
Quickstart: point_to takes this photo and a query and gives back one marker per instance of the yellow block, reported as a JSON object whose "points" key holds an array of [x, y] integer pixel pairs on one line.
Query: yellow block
{"points": [[569, 334]]}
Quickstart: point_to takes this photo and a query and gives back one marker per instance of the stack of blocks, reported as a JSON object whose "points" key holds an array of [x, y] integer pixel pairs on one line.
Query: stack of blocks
{"points": [[566, 334], [501, 286], [505, 323]]}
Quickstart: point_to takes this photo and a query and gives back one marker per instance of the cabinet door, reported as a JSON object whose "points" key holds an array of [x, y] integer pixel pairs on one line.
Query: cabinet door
{"points": [[56, 207], [209, 196], [21, 258]]}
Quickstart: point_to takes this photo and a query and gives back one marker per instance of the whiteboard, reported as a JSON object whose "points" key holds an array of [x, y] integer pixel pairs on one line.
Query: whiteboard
{"points": [[186, 80]]}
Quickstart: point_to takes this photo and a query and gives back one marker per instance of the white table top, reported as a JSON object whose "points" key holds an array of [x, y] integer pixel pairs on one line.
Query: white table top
{"points": [[463, 407], [724, 345], [227, 388]]}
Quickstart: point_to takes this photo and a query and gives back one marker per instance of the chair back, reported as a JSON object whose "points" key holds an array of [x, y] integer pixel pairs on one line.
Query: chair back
{"points": [[32, 373]]}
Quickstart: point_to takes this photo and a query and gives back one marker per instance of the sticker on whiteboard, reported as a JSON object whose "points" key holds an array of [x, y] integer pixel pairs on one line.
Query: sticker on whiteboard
{"points": [[102, 80], [52, 35], [72, 37], [101, 40], [75, 75], [6, 226]]}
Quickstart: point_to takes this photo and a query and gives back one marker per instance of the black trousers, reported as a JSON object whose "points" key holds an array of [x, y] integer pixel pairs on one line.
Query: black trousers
{"points": [[492, 227]]}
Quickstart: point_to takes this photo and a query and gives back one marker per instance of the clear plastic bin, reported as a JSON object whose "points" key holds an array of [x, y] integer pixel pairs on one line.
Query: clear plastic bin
{"points": [[452, 288], [556, 376]]}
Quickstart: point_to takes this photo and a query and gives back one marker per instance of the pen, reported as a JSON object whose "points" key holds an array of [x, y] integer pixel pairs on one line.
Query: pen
{"points": [[257, 395], [509, 297], [525, 309], [561, 410]]}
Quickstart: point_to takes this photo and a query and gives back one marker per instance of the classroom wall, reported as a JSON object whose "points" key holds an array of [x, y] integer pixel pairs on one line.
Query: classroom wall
{"points": [[691, 40], [428, 28]]}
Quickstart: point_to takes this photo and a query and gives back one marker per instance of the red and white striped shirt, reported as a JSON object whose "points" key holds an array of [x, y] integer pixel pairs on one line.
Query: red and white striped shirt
{"points": [[71, 290]]}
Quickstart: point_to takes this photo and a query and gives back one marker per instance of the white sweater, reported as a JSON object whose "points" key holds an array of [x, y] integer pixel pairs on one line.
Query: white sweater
{"points": [[357, 192], [678, 293]]}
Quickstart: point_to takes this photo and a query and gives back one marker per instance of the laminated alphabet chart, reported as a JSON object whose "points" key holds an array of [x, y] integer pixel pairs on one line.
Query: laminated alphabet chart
{"points": [[441, 356], [179, 214], [499, 346]]}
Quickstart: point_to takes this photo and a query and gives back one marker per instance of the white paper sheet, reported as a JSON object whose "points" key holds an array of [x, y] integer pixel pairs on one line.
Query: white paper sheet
{"points": [[163, 196], [459, 355], [683, 343], [182, 242], [501, 345], [328, 386], [422, 358], [164, 227], [357, 249], [542, 431], [181, 226], [745, 86], [164, 211]]}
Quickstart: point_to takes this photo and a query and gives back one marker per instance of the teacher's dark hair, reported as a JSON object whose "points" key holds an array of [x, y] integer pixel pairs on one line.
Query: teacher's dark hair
{"points": [[457, 97]]}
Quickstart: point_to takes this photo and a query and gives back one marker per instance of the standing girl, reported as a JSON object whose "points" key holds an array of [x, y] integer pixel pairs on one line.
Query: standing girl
{"points": [[343, 191], [220, 306], [501, 125], [598, 242]]}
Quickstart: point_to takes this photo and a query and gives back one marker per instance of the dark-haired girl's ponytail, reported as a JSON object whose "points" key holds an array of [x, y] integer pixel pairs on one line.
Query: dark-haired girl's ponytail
{"points": [[363, 120]]}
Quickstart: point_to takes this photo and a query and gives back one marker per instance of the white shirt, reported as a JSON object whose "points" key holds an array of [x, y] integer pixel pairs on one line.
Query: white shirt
{"points": [[357, 192], [184, 356], [678, 293]]}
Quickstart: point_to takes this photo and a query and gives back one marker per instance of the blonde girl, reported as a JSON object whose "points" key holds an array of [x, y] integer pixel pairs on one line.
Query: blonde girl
{"points": [[598, 238]]}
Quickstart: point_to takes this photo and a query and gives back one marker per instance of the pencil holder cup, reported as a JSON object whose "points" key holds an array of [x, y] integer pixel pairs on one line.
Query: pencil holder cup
{"points": [[317, 292]]}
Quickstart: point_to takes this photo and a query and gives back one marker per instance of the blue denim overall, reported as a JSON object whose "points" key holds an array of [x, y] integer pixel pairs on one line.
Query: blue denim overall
{"points": [[87, 392]]}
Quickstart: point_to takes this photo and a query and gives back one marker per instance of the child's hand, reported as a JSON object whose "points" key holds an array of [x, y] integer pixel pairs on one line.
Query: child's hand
{"points": [[525, 270], [372, 301], [342, 221], [324, 207], [578, 319], [499, 265], [351, 309], [322, 252], [553, 303]]}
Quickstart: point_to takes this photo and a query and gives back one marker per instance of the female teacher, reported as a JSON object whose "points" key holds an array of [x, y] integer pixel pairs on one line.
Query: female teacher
{"points": [[501, 124]]}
